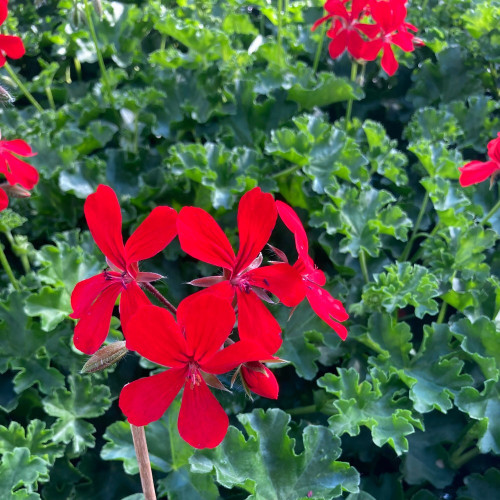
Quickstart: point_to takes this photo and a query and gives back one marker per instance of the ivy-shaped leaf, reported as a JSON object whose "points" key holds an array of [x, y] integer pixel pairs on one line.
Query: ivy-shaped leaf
{"points": [[379, 406], [403, 284], [267, 465], [362, 216], [19, 472], [83, 400]]}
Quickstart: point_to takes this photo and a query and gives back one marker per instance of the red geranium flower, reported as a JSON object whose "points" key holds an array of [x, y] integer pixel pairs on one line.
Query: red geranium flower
{"points": [[10, 46], [478, 171], [201, 237], [389, 17], [94, 298], [260, 379], [15, 170], [330, 310], [191, 348], [345, 25]]}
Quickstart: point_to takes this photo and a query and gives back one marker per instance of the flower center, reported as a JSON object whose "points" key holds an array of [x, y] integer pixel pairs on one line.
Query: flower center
{"points": [[124, 278], [193, 376]]}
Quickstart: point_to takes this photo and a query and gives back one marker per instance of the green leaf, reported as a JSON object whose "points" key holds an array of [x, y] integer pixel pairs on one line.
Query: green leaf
{"points": [[267, 465], [328, 90], [10, 220], [432, 125], [83, 400], [380, 407], [480, 339], [403, 284], [239, 23], [438, 159], [485, 407], [361, 216], [52, 305], [35, 437], [18, 474], [480, 487], [181, 484]]}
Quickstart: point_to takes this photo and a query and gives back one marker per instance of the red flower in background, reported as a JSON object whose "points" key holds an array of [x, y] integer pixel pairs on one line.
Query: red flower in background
{"points": [[201, 237], [191, 348], [478, 171], [389, 17], [329, 309], [93, 299], [16, 170], [345, 25], [10, 46]]}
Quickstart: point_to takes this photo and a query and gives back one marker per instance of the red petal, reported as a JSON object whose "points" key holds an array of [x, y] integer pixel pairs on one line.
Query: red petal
{"points": [[256, 323], [202, 238], [20, 172], [494, 149], [17, 146], [146, 400], [330, 310], [293, 223], [207, 321], [3, 11], [202, 421], [476, 171], [355, 44], [282, 280], [234, 355], [104, 219], [93, 327], [320, 21], [404, 40], [85, 292], [389, 63], [371, 50], [4, 200], [131, 300], [257, 216], [12, 46], [156, 231], [263, 384], [338, 44], [154, 334]]}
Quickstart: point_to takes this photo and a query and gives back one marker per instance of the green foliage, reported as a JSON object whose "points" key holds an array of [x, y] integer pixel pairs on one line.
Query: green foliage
{"points": [[267, 465]]}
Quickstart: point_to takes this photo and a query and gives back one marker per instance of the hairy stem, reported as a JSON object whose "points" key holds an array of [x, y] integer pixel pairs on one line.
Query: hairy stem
{"points": [[21, 86], [141, 452], [100, 59], [8, 269], [150, 288], [407, 250]]}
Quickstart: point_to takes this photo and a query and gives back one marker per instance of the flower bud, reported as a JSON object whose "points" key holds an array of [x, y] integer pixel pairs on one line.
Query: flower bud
{"points": [[105, 357]]}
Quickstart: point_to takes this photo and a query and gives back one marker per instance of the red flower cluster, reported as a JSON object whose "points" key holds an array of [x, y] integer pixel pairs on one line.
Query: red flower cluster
{"points": [[478, 171], [20, 175], [10, 46], [196, 346], [366, 27]]}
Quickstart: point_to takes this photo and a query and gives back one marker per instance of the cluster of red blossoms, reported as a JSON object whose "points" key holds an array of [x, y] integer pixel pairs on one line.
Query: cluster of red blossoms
{"points": [[201, 341], [366, 27], [478, 171], [20, 176]]}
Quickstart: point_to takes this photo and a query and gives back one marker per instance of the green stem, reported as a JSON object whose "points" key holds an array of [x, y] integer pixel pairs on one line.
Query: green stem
{"points": [[286, 171], [457, 462], [136, 133], [20, 84], [406, 251], [100, 59], [490, 213], [302, 410], [364, 267], [50, 97], [163, 42], [280, 23], [354, 71], [78, 68], [442, 312], [8, 269], [319, 49]]}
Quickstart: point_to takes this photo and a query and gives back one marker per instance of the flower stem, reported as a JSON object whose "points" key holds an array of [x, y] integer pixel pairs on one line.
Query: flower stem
{"points": [[50, 97], [302, 410], [280, 25], [442, 312], [150, 288], [141, 452], [286, 171], [364, 267], [8, 269], [485, 219], [354, 71], [20, 84], [406, 251], [319, 49], [100, 59], [458, 461]]}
